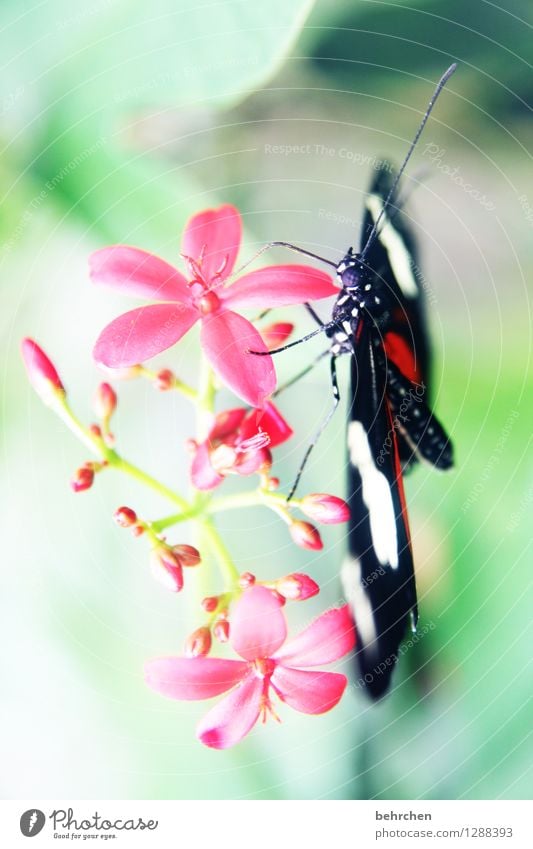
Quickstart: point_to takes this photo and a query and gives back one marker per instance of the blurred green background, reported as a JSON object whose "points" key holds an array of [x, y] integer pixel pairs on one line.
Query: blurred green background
{"points": [[138, 115]]}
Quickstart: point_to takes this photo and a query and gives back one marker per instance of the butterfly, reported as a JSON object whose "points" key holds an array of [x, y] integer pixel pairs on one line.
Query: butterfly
{"points": [[378, 320]]}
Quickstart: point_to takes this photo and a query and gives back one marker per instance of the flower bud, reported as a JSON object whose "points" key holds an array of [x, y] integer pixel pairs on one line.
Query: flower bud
{"points": [[210, 603], [165, 380], [297, 587], [138, 530], [166, 568], [125, 517], [305, 535], [324, 508], [105, 401], [246, 580], [187, 555], [198, 644], [272, 484], [275, 335], [83, 478], [42, 373], [221, 630]]}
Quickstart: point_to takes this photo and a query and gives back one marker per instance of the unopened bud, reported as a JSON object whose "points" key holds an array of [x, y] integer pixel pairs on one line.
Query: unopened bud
{"points": [[125, 517], [105, 401], [272, 484], [166, 568], [221, 630], [210, 603], [297, 587], [324, 508], [198, 644], [83, 478], [275, 335], [42, 373], [138, 530], [246, 580], [305, 535], [187, 555], [165, 380]]}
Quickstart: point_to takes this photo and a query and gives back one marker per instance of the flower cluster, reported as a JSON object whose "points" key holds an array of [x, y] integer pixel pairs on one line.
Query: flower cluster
{"points": [[248, 614]]}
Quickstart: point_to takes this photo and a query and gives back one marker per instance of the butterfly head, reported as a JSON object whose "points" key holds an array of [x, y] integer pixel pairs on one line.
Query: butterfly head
{"points": [[353, 274]]}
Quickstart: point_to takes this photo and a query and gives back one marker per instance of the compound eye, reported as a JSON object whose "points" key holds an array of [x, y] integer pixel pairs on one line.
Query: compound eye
{"points": [[351, 277]]}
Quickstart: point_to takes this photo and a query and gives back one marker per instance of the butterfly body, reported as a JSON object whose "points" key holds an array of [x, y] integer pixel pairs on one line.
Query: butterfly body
{"points": [[378, 319]]}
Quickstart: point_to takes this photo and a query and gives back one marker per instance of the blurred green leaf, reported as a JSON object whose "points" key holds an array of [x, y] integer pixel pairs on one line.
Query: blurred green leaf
{"points": [[92, 65]]}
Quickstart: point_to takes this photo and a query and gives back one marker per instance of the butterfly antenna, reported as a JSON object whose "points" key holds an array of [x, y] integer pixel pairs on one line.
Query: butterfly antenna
{"points": [[442, 82]]}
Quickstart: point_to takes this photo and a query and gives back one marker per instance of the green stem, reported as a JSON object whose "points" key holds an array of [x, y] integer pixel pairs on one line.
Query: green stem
{"points": [[122, 465], [198, 506], [259, 497], [97, 445], [227, 566], [205, 401], [186, 390], [90, 440]]}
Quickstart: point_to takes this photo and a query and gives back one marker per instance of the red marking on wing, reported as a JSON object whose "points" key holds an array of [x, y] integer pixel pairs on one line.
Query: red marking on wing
{"points": [[397, 350], [399, 475]]}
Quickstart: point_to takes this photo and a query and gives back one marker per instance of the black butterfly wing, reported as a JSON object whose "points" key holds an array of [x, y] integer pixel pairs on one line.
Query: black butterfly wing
{"points": [[393, 257], [377, 575]]}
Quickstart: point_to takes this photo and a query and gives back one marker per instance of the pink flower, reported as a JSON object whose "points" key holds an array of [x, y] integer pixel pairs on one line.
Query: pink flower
{"points": [[269, 665], [210, 245], [238, 443]]}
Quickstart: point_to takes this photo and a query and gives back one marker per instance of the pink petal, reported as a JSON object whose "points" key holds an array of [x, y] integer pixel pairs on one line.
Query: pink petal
{"points": [[308, 692], [193, 678], [328, 638], [226, 423], [269, 420], [278, 286], [233, 717], [142, 333], [257, 625], [219, 232], [203, 475], [138, 273], [227, 339]]}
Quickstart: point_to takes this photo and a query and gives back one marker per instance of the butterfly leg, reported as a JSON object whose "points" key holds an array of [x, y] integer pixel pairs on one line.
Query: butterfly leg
{"points": [[305, 338], [314, 315], [323, 425]]}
